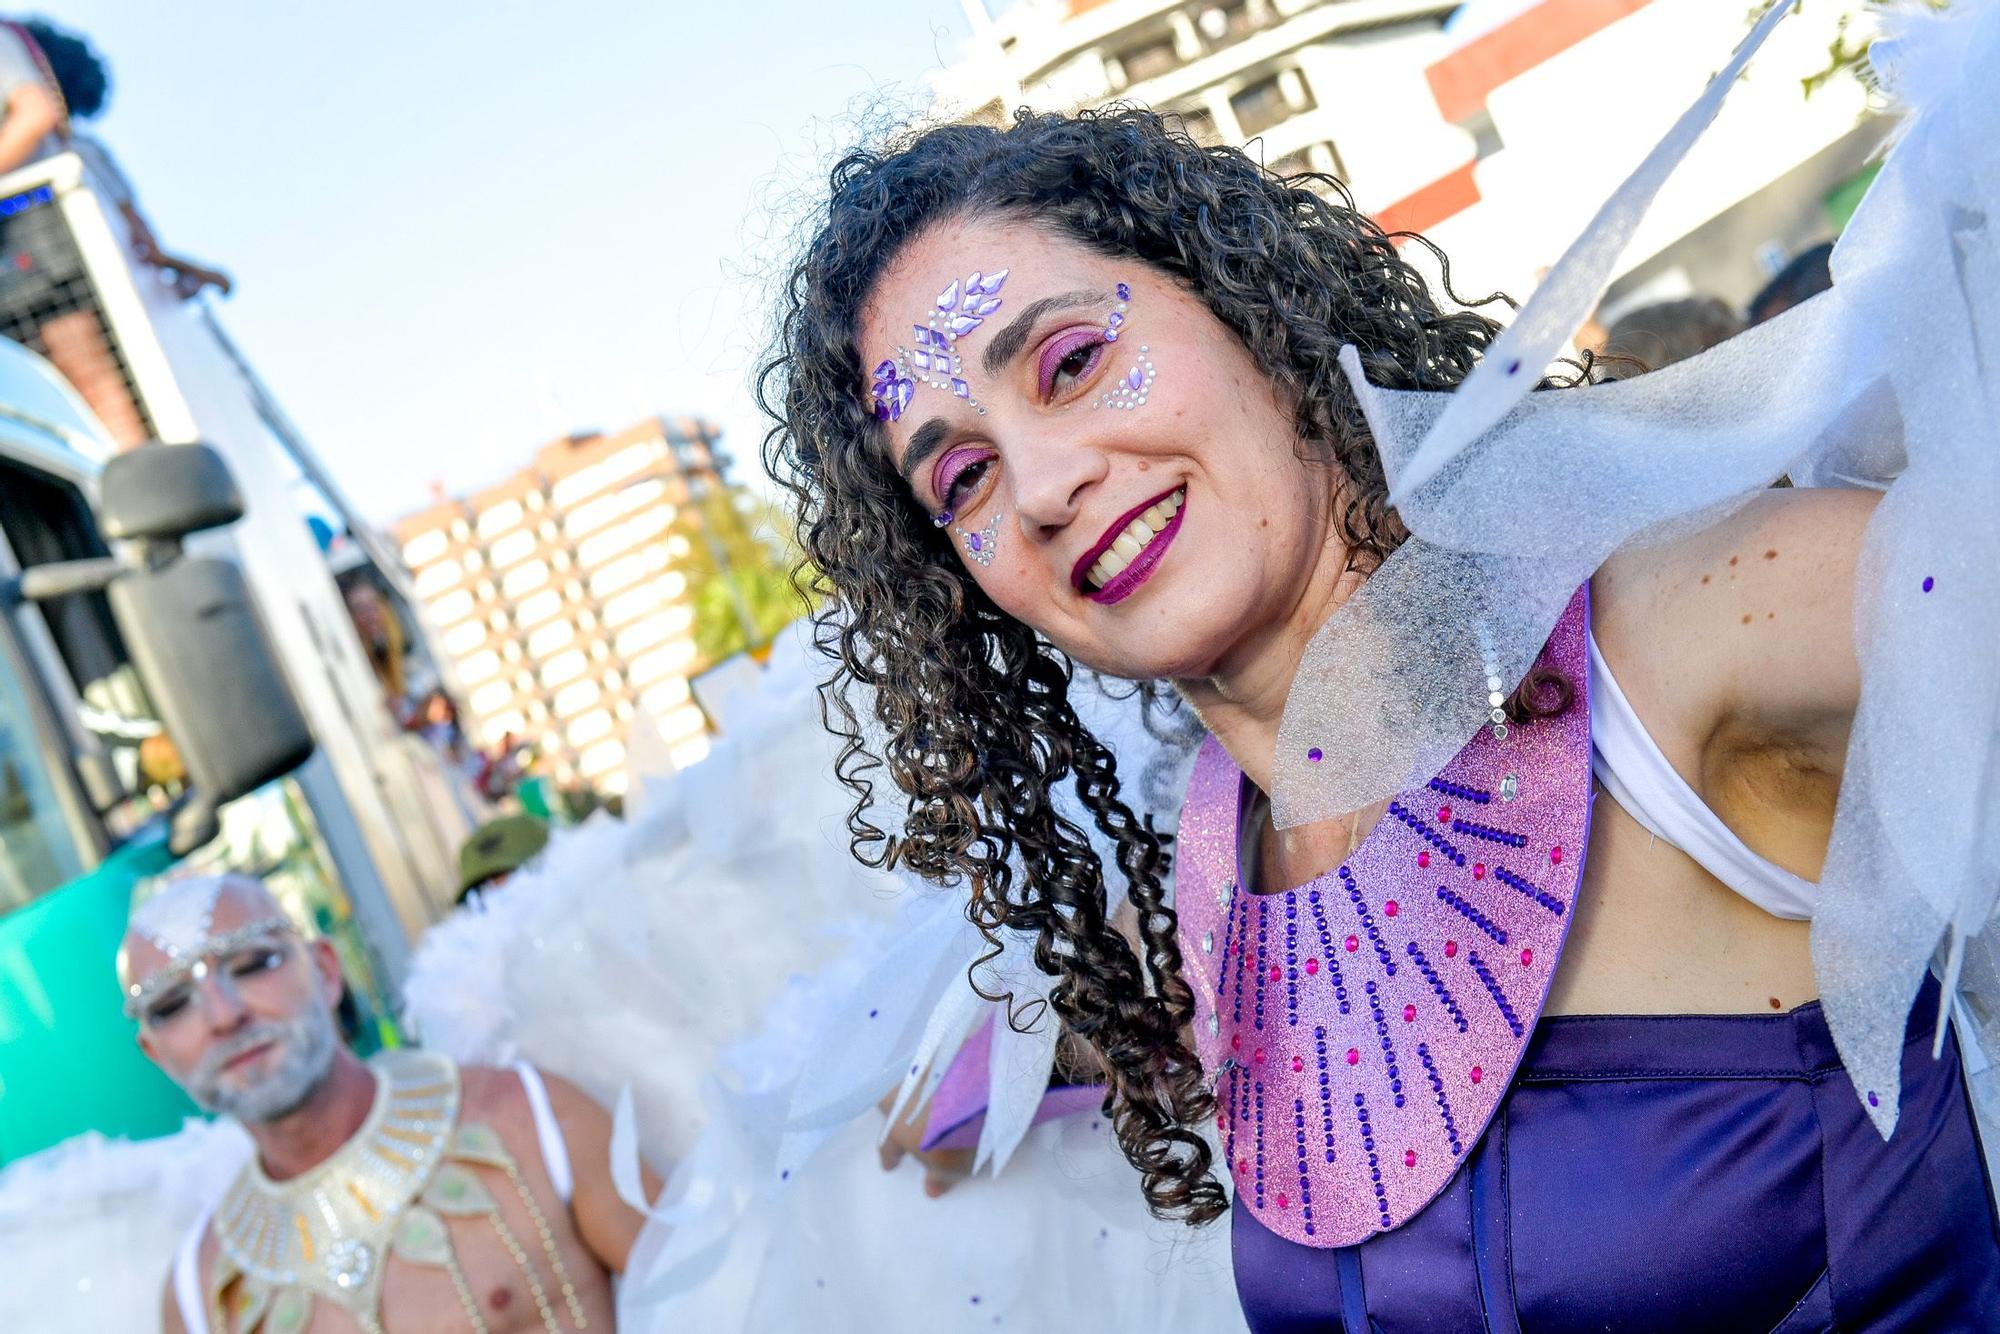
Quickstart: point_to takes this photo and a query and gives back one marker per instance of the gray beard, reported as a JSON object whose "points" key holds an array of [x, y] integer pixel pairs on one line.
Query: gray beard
{"points": [[305, 1055]]}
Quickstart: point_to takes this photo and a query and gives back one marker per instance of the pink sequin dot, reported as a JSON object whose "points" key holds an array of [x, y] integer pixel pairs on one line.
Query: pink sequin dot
{"points": [[1312, 966], [1477, 1074], [1479, 870], [1556, 855], [1283, 1203], [1527, 957], [1242, 1167], [1276, 972], [1389, 908], [1353, 944], [1450, 948], [1444, 815], [1298, 1065], [1409, 1014], [1409, 1157], [1315, 755], [1423, 859], [1353, 1056], [1258, 1056], [1236, 1042]]}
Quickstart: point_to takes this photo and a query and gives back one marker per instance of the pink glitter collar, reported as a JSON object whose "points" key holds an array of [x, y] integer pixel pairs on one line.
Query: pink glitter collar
{"points": [[1362, 1029]]}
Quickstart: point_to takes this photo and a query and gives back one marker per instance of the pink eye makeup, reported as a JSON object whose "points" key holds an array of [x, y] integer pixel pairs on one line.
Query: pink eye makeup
{"points": [[1079, 350], [954, 469]]}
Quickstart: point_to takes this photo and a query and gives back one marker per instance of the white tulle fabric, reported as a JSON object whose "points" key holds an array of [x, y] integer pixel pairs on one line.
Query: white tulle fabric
{"points": [[722, 957], [781, 1213], [1889, 381]]}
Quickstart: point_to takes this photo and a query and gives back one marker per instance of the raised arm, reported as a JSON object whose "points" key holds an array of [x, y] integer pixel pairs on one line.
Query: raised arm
{"points": [[31, 116]]}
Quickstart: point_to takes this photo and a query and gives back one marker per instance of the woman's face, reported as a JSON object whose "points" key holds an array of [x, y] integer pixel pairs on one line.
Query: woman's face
{"points": [[1119, 473]]}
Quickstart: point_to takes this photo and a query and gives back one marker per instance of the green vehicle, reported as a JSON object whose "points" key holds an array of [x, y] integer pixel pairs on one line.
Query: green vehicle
{"points": [[182, 684]]}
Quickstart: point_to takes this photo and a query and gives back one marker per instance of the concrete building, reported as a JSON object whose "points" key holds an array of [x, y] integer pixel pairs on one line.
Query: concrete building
{"points": [[563, 596], [1495, 128]]}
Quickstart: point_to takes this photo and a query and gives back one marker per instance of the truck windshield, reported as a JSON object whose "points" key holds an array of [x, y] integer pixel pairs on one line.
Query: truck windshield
{"points": [[37, 849]]}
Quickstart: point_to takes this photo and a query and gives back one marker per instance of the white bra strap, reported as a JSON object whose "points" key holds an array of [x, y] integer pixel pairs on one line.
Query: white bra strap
{"points": [[187, 1276], [1640, 778], [555, 1152]]}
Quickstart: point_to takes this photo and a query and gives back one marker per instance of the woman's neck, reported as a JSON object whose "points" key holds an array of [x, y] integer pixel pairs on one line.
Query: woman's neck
{"points": [[1242, 701]]}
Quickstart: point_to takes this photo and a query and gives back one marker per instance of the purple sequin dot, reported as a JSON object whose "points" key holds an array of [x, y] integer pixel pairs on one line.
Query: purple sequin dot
{"points": [[1873, 1101], [1315, 755], [1929, 583]]}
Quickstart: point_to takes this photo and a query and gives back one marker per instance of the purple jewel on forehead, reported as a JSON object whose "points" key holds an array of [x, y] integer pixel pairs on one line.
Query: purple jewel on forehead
{"points": [[961, 308]]}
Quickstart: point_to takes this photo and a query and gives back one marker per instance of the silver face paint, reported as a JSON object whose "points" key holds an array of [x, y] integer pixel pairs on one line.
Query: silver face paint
{"points": [[179, 918]]}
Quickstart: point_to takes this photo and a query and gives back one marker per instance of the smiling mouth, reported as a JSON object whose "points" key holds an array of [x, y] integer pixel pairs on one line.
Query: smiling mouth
{"points": [[1123, 560]]}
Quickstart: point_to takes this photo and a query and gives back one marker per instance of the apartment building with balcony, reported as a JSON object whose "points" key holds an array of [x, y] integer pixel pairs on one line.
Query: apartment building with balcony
{"points": [[564, 598], [1494, 127]]}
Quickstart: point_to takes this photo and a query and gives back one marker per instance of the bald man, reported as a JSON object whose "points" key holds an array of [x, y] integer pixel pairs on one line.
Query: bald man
{"points": [[403, 1193]]}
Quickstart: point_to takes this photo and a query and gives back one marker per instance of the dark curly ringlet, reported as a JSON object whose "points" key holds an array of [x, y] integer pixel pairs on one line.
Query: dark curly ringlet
{"points": [[972, 719]]}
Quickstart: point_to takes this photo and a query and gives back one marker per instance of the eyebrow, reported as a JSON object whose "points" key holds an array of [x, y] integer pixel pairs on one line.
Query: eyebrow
{"points": [[927, 440], [1007, 344]]}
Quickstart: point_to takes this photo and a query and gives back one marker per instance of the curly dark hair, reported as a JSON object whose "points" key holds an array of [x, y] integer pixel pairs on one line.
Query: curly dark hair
{"points": [[79, 71], [970, 711]]}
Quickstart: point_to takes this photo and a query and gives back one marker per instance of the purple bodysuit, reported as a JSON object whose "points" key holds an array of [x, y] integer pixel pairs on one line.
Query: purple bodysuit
{"points": [[1414, 1148]]}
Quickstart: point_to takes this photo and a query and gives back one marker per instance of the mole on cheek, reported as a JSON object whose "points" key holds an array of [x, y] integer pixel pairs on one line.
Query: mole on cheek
{"points": [[1706, 577], [1746, 618], [501, 1299], [1772, 554], [1732, 560], [1775, 1005], [1145, 466]]}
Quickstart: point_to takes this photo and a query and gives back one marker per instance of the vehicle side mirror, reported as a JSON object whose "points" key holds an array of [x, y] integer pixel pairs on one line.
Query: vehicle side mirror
{"points": [[164, 492], [210, 670], [192, 629]]}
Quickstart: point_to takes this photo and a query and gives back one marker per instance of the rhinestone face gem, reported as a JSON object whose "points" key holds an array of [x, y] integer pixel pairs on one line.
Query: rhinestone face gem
{"points": [[1208, 942], [1510, 787], [349, 1263]]}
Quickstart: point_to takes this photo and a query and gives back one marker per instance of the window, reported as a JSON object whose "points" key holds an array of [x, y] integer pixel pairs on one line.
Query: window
{"points": [[1149, 60], [511, 548], [425, 547], [1271, 102], [498, 519]]}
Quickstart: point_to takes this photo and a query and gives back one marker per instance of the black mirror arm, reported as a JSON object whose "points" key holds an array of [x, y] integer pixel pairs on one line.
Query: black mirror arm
{"points": [[60, 579]]}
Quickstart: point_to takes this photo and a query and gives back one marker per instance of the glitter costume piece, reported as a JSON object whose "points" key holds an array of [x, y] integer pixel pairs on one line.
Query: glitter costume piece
{"points": [[979, 546], [192, 964], [1383, 1007], [1130, 390], [934, 361]]}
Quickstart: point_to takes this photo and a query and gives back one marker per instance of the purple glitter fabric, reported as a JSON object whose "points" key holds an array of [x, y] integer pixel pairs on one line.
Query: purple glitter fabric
{"points": [[1361, 1029]]}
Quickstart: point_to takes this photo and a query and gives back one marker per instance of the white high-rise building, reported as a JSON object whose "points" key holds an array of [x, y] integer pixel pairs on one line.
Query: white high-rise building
{"points": [[1495, 128]]}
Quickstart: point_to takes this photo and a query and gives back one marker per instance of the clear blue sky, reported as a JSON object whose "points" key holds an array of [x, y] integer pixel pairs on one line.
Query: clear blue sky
{"points": [[460, 230]]}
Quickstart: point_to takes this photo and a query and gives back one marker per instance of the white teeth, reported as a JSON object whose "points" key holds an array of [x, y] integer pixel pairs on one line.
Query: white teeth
{"points": [[1132, 541]]}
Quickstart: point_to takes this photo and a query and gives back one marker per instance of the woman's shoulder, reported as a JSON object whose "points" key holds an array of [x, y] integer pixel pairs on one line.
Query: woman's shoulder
{"points": [[1751, 618]]}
